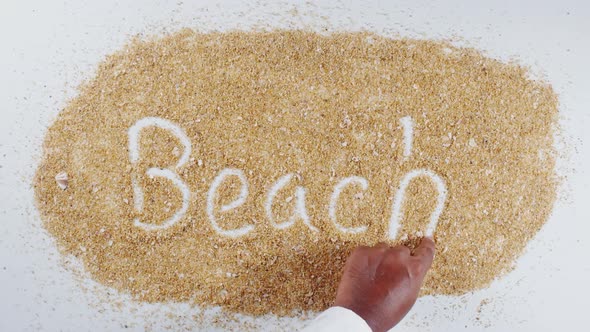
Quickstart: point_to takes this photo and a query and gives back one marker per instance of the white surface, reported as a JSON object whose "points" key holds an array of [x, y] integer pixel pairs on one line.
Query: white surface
{"points": [[48, 47]]}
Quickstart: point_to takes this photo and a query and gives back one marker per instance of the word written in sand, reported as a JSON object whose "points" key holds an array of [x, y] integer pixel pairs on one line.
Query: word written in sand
{"points": [[300, 211]]}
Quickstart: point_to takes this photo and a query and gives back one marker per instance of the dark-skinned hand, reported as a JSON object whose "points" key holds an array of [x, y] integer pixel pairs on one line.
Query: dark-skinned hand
{"points": [[381, 283]]}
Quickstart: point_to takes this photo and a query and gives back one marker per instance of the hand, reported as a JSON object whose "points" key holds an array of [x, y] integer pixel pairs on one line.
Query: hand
{"points": [[381, 283]]}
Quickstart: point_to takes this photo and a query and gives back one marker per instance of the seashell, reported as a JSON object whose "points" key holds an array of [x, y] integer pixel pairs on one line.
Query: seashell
{"points": [[62, 180]]}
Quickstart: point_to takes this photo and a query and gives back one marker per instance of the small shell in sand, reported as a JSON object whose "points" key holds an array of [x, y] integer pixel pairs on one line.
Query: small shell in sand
{"points": [[62, 180]]}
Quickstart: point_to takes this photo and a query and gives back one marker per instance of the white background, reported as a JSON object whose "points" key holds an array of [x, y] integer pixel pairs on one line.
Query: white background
{"points": [[48, 47]]}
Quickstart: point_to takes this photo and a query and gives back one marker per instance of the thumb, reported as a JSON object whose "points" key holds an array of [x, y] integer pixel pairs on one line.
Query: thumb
{"points": [[424, 255]]}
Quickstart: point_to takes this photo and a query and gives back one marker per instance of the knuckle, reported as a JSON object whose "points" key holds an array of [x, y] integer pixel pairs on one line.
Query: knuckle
{"points": [[401, 250], [419, 267], [415, 269], [360, 250]]}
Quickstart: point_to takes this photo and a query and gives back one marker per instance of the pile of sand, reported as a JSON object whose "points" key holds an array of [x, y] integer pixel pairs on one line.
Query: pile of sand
{"points": [[288, 115]]}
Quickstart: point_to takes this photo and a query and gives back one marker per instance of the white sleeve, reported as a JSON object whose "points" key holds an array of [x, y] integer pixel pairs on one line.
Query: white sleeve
{"points": [[337, 319]]}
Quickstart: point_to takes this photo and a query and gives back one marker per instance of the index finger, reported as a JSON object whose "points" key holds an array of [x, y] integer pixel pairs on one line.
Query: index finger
{"points": [[424, 254]]}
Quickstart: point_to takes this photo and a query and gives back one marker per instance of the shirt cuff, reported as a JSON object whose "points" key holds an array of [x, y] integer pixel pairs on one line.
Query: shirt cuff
{"points": [[337, 319]]}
